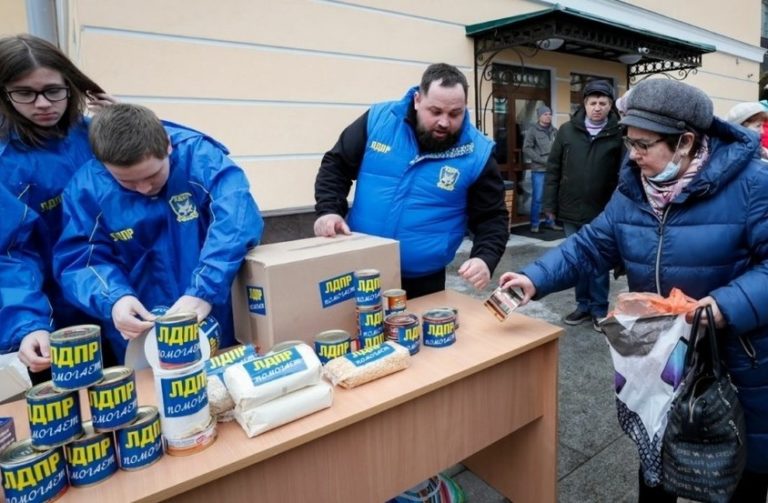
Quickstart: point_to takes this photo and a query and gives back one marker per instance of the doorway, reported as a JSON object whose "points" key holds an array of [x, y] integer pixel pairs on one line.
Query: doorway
{"points": [[517, 92]]}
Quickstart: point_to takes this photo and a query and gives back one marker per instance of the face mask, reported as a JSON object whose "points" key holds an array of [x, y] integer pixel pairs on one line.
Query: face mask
{"points": [[672, 168]]}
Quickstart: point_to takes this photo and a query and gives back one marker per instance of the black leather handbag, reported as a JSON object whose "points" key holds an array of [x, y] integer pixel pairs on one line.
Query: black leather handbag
{"points": [[704, 450]]}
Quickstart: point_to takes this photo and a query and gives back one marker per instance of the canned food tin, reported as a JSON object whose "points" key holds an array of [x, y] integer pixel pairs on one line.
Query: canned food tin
{"points": [[113, 401], [394, 301], [370, 327], [502, 302], [32, 476], [211, 330], [54, 416], [182, 400], [404, 329], [332, 344], [178, 340], [367, 287], [439, 327], [140, 444], [91, 458], [76, 357], [191, 444]]}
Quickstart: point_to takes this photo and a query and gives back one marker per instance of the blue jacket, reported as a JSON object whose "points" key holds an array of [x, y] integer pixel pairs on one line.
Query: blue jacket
{"points": [[188, 240], [37, 176], [712, 240], [22, 307], [423, 197]]}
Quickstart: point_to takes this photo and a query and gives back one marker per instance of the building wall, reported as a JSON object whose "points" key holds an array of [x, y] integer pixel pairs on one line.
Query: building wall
{"points": [[13, 17], [277, 81]]}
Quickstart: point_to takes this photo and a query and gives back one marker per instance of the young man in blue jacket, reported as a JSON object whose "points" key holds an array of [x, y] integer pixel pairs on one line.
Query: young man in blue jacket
{"points": [[161, 217]]}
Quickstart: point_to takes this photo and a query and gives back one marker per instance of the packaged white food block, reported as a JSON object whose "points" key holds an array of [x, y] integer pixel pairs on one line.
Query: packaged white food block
{"points": [[218, 396], [271, 376], [365, 365], [284, 409]]}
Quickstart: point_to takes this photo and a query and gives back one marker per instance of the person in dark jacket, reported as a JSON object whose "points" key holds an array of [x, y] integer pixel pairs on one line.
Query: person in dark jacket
{"points": [[582, 172], [424, 174], [536, 147], [161, 217], [691, 212]]}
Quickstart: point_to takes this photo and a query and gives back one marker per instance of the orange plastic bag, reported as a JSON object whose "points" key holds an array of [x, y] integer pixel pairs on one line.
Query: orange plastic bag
{"points": [[645, 304]]}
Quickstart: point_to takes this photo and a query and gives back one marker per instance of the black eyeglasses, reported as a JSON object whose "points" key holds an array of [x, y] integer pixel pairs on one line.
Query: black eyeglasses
{"points": [[641, 146], [27, 96]]}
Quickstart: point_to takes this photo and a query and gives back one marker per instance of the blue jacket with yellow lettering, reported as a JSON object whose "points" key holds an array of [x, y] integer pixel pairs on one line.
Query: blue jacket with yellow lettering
{"points": [[22, 308], [37, 177], [188, 240], [423, 195]]}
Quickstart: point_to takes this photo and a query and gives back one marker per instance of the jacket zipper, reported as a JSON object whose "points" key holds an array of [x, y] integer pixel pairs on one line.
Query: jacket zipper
{"points": [[746, 344], [658, 250]]}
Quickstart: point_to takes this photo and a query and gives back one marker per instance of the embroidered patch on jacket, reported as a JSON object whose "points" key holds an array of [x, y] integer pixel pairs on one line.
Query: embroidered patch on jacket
{"points": [[123, 235], [448, 178], [183, 206], [379, 147]]}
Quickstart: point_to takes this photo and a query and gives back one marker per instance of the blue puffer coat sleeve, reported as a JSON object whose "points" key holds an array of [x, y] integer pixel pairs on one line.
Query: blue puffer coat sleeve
{"points": [[23, 306], [743, 300], [83, 258], [235, 220]]}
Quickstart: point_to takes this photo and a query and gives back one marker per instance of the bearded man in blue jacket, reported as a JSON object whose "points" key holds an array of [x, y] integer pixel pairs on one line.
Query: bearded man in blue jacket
{"points": [[161, 217], [424, 175]]}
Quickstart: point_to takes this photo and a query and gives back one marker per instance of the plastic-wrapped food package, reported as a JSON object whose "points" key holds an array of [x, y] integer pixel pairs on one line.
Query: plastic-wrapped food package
{"points": [[260, 418], [271, 376], [365, 365], [220, 401]]}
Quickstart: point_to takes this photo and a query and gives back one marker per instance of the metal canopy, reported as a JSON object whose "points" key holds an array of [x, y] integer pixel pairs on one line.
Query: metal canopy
{"points": [[570, 31]]}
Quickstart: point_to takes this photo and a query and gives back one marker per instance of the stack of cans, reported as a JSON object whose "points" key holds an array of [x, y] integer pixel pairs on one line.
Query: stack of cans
{"points": [[181, 385], [370, 314], [63, 449]]}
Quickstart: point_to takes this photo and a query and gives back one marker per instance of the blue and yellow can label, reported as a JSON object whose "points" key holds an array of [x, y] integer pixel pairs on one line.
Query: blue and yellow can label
{"points": [[256, 302], [332, 344], [76, 360], [216, 365], [367, 288], [275, 366], [184, 395], [370, 323], [30, 476], [178, 340], [91, 459], [336, 290], [408, 337], [54, 416], [114, 402], [140, 444], [365, 356], [439, 328]]}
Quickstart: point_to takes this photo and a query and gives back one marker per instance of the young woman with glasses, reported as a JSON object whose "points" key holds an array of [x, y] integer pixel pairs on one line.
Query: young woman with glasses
{"points": [[43, 141]]}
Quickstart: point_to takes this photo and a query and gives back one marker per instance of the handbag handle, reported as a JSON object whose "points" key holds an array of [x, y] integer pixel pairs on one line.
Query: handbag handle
{"points": [[710, 334]]}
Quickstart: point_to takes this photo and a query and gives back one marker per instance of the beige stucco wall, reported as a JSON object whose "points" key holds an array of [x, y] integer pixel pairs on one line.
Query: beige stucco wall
{"points": [[13, 17], [277, 81]]}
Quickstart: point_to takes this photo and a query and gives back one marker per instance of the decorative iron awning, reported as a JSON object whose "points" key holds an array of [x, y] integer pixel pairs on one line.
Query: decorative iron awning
{"points": [[574, 32]]}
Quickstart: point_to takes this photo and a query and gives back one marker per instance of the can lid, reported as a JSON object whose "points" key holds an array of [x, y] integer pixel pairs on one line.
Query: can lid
{"points": [[146, 414], [20, 452], [393, 292], [401, 318], [440, 314], [44, 390], [333, 336], [367, 272], [75, 333], [177, 318], [112, 374], [368, 309]]}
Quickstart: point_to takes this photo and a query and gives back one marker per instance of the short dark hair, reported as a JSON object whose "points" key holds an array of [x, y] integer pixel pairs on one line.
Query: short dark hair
{"points": [[125, 134], [20, 55], [449, 76]]}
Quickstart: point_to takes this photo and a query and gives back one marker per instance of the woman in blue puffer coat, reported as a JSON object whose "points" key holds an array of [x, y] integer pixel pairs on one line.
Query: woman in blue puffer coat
{"points": [[690, 211]]}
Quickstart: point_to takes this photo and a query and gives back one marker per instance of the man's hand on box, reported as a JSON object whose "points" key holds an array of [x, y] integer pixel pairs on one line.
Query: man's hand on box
{"points": [[131, 318], [191, 304], [330, 225], [475, 272]]}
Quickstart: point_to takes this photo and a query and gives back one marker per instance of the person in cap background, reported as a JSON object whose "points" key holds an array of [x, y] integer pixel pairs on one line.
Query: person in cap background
{"points": [[752, 115], [536, 148], [582, 171], [690, 212]]}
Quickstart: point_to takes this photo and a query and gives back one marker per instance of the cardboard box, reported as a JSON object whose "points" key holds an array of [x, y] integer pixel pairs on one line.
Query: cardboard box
{"points": [[296, 289]]}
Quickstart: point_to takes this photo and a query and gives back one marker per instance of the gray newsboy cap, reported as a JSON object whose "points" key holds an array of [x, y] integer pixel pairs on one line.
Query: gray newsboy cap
{"points": [[668, 107]]}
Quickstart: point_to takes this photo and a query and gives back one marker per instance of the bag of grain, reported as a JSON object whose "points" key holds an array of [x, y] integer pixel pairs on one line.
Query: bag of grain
{"points": [[365, 365]]}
